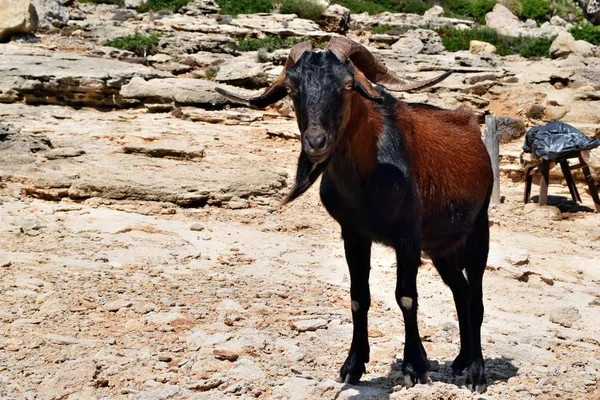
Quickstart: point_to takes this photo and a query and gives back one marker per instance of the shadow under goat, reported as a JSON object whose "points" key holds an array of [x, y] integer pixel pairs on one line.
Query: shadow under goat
{"points": [[411, 176]]}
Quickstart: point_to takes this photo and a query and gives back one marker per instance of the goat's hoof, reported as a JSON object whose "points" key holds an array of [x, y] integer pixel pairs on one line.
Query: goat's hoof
{"points": [[476, 380], [460, 363], [351, 379], [352, 370], [411, 380], [412, 376]]}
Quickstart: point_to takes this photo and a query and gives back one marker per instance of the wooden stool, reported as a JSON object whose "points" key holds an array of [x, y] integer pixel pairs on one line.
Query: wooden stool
{"points": [[543, 167]]}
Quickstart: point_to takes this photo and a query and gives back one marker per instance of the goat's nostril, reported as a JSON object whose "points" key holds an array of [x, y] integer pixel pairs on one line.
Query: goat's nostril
{"points": [[321, 143], [317, 142]]}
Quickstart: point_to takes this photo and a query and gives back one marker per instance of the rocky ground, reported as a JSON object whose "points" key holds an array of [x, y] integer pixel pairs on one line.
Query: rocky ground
{"points": [[145, 254]]}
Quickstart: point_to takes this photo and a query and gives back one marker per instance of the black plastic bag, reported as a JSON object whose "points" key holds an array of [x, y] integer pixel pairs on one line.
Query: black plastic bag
{"points": [[556, 139]]}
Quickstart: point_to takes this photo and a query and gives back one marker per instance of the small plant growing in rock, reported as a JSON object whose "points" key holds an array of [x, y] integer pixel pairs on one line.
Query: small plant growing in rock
{"points": [[302, 8], [141, 45], [236, 7], [537, 47], [159, 5], [211, 71], [538, 10]]}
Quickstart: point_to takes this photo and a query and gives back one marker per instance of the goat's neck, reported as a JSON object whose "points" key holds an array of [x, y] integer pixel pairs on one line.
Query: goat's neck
{"points": [[358, 141]]}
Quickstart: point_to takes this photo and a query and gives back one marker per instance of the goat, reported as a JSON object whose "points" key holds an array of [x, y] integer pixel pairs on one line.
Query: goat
{"points": [[411, 176]]}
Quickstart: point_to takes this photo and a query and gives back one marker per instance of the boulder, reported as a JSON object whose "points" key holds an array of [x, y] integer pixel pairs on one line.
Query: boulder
{"points": [[565, 45], [18, 16], [418, 41], [481, 48], [432, 43], [434, 12], [134, 3], [51, 13], [245, 73], [411, 45], [200, 7], [503, 20], [335, 18]]}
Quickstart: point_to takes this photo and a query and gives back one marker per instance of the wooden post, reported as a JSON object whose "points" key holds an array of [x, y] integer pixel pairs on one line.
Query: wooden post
{"points": [[492, 143]]}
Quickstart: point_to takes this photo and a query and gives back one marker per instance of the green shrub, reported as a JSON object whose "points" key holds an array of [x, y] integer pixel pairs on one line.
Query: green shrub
{"points": [[567, 10], [381, 29], [413, 7], [270, 43], [159, 5], [456, 40], [236, 7], [538, 10], [587, 32], [141, 45], [302, 8], [475, 9], [515, 6], [537, 47]]}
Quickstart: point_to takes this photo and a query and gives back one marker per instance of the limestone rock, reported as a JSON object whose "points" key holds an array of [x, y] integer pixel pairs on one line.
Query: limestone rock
{"points": [[434, 12], [183, 91], [200, 7], [18, 16], [504, 21], [244, 73], [51, 13], [66, 79], [177, 43], [410, 45], [591, 9], [565, 45], [565, 316], [309, 324], [335, 18], [432, 43], [71, 377], [481, 48]]}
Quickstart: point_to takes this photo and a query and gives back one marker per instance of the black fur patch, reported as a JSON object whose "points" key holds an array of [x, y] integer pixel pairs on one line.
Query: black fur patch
{"points": [[306, 174]]}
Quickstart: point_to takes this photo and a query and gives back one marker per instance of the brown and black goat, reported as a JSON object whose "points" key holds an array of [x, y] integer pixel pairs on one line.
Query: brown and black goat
{"points": [[412, 176]]}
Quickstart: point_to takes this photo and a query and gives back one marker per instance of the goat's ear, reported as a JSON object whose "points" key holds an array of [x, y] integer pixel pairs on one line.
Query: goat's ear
{"points": [[273, 94], [364, 87]]}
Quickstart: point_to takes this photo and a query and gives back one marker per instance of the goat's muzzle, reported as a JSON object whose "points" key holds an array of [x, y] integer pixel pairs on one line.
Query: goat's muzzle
{"points": [[316, 144]]}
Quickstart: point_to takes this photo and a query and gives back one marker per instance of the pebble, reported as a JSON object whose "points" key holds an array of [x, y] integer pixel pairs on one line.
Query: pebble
{"points": [[309, 324], [225, 354], [164, 358], [117, 305], [197, 226], [5, 262]]}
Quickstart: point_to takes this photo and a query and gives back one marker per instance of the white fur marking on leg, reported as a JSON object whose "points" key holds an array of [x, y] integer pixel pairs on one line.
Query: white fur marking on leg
{"points": [[406, 302], [355, 305]]}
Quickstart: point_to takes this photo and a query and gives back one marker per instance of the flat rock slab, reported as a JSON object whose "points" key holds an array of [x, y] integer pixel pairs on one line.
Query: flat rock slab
{"points": [[37, 77], [183, 91]]}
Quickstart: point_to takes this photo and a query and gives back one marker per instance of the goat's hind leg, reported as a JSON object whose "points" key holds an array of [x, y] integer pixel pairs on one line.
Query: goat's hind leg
{"points": [[358, 256], [450, 269], [476, 253]]}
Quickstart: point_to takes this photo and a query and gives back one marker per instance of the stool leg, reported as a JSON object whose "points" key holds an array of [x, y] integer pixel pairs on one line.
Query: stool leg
{"points": [[544, 183], [590, 182], [528, 179], [566, 170]]}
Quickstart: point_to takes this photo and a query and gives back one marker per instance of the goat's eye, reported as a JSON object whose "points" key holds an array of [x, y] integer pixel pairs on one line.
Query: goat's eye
{"points": [[349, 86], [288, 89]]}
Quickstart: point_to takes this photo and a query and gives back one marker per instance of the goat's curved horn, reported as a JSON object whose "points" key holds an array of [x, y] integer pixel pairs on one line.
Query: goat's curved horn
{"points": [[374, 69], [276, 91]]}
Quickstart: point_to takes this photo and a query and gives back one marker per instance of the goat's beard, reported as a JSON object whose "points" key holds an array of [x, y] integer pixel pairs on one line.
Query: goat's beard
{"points": [[307, 173]]}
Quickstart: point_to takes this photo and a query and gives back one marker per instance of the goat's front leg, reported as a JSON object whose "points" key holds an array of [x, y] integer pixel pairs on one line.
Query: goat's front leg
{"points": [[358, 256], [415, 366]]}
